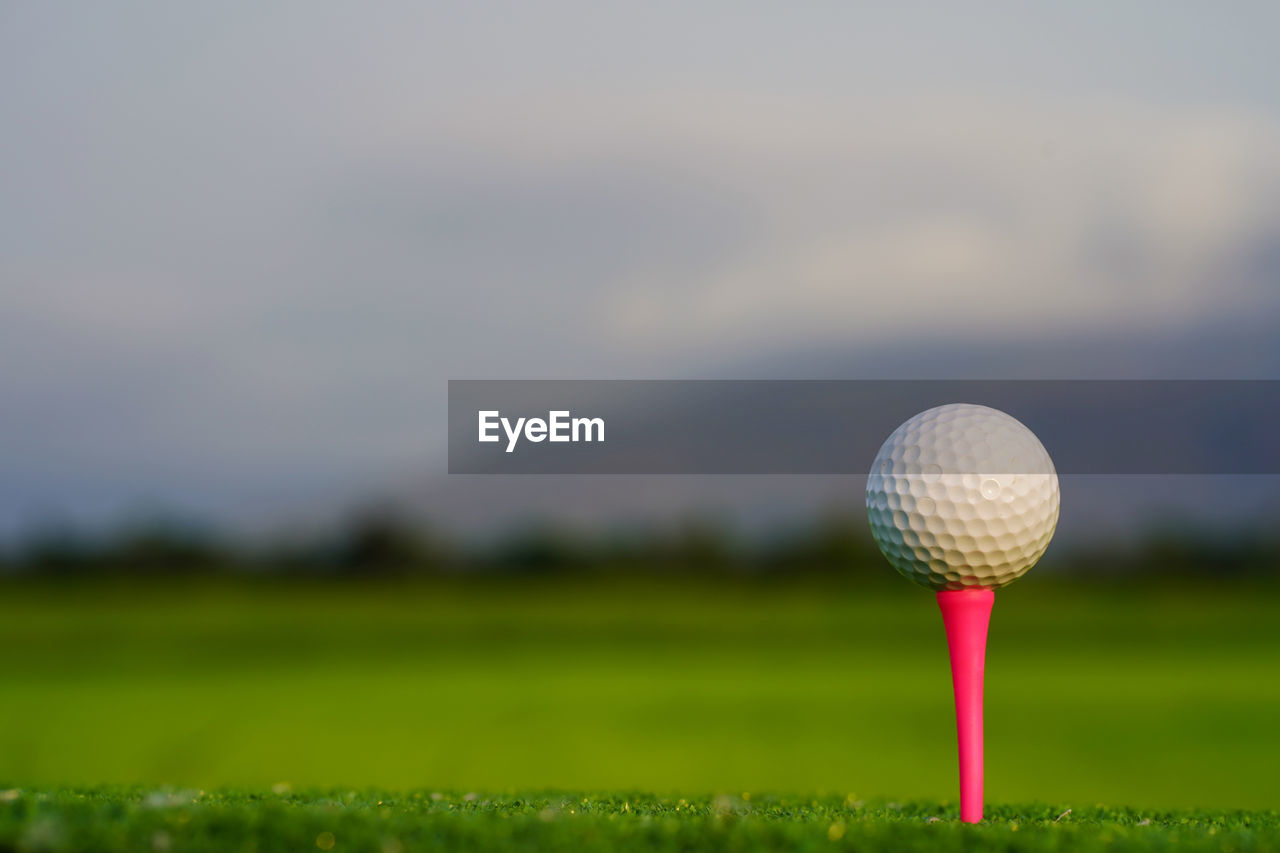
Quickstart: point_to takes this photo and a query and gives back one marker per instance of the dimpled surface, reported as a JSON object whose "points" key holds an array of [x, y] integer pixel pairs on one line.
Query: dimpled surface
{"points": [[962, 496]]}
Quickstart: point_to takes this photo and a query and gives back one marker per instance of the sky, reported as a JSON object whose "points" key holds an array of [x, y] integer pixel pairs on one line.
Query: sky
{"points": [[243, 246]]}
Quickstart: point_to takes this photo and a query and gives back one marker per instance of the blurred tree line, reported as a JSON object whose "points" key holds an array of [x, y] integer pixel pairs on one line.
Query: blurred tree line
{"points": [[385, 544]]}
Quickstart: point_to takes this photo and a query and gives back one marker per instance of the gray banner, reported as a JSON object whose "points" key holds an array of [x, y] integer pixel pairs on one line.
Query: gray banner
{"points": [[836, 427]]}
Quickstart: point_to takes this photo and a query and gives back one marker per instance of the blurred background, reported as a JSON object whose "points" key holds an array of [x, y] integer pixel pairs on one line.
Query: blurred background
{"points": [[243, 247]]}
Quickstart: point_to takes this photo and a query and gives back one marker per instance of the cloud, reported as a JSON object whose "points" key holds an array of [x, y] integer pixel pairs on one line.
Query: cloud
{"points": [[875, 222], [234, 267]]}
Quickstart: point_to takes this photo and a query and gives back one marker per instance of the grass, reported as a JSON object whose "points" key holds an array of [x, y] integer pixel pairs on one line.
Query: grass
{"points": [[1157, 699], [110, 819]]}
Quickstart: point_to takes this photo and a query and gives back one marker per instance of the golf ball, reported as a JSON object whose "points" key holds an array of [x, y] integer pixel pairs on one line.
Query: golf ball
{"points": [[962, 496]]}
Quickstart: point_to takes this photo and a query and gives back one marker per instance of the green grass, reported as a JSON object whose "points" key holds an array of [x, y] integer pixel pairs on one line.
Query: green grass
{"points": [[109, 819], [1159, 699]]}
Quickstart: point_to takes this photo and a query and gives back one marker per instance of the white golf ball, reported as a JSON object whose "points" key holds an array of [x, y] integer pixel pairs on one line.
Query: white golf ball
{"points": [[962, 496]]}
